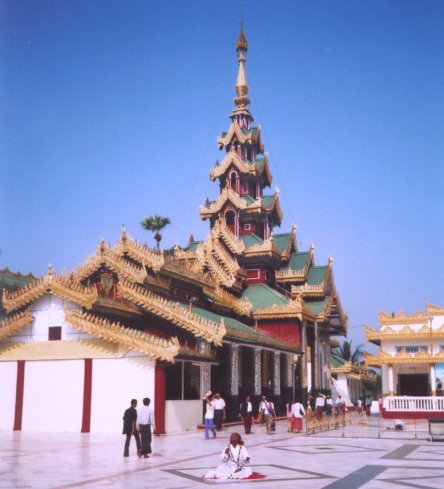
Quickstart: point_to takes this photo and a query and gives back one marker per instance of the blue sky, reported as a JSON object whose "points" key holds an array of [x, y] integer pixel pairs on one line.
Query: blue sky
{"points": [[111, 109]]}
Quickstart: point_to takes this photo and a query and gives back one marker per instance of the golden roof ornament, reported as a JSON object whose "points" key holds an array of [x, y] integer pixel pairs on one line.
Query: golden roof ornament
{"points": [[241, 43]]}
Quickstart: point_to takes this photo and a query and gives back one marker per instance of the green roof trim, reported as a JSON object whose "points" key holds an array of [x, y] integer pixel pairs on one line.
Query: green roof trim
{"points": [[282, 240], [317, 307], [241, 331], [261, 295], [11, 280], [248, 199], [193, 246], [259, 163], [298, 260], [267, 201], [251, 240], [317, 275]]}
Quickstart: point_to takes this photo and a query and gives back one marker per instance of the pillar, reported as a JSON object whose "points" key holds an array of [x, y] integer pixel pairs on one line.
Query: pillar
{"points": [[87, 395], [433, 379], [159, 397], [234, 369], [257, 372], [316, 376], [276, 380], [206, 378], [390, 379], [19, 393], [303, 359]]}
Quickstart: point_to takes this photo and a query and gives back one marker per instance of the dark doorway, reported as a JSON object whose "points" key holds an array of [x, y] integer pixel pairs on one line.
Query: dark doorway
{"points": [[413, 385]]}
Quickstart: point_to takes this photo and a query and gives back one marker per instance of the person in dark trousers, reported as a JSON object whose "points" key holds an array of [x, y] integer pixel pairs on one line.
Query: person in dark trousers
{"points": [[219, 411], [145, 423], [246, 413], [130, 429]]}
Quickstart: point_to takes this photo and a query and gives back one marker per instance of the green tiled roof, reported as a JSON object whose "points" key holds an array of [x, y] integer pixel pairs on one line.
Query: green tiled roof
{"points": [[251, 130], [298, 260], [259, 163], [281, 240], [193, 245], [267, 201], [248, 199], [251, 240], [261, 295], [316, 275], [237, 329], [316, 307], [11, 280]]}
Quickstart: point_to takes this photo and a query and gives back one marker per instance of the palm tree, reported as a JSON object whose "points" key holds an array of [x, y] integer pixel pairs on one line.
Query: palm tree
{"points": [[155, 224], [346, 352]]}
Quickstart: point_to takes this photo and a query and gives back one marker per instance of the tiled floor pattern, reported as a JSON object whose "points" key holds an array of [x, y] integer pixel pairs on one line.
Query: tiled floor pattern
{"points": [[73, 461]]}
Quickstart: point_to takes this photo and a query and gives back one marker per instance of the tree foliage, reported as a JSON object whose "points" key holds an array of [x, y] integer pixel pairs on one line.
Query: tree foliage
{"points": [[155, 224], [347, 353]]}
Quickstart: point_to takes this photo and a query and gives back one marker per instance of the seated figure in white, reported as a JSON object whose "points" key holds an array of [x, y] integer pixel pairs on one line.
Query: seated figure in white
{"points": [[234, 460]]}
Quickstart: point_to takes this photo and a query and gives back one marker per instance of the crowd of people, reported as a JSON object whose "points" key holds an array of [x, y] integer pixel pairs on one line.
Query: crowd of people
{"points": [[140, 424]]}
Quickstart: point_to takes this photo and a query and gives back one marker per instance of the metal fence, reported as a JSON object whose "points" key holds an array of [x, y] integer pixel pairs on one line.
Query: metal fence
{"points": [[351, 425]]}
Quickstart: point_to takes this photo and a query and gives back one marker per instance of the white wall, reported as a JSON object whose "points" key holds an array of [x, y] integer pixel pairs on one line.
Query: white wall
{"points": [[114, 383], [8, 382], [53, 395], [182, 415], [46, 312]]}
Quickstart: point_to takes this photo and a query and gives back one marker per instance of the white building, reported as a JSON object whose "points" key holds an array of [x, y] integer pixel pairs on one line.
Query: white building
{"points": [[411, 358]]}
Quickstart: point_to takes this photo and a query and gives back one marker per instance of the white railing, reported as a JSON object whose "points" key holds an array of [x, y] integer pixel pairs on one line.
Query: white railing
{"points": [[413, 403]]}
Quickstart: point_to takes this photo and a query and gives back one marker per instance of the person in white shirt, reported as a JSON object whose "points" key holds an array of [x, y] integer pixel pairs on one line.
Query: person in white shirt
{"points": [[320, 403], [219, 410], [234, 460], [246, 413], [266, 410], [297, 413], [145, 423], [209, 417]]}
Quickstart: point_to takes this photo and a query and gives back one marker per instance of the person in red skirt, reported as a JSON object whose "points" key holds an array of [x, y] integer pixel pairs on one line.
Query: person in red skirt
{"points": [[297, 413]]}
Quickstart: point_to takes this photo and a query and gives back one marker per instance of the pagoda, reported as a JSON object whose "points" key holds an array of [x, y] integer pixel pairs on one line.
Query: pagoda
{"points": [[242, 312]]}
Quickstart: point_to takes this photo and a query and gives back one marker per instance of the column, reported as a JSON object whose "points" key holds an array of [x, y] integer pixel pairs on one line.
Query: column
{"points": [[304, 355], [19, 394], [87, 396], [257, 372], [276, 381], [289, 370], [315, 366], [206, 378], [234, 369], [390, 379], [433, 379]]}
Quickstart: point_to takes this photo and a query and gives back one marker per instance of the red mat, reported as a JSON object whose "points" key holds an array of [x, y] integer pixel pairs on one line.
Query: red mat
{"points": [[254, 475]]}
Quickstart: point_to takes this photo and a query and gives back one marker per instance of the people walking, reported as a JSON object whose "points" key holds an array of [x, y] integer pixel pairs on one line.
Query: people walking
{"points": [[209, 417], [219, 410], [130, 428], [267, 412], [297, 413], [146, 425], [246, 413], [320, 404], [368, 404]]}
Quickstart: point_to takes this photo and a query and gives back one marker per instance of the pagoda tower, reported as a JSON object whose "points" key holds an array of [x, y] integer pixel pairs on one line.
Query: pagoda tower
{"points": [[243, 174]]}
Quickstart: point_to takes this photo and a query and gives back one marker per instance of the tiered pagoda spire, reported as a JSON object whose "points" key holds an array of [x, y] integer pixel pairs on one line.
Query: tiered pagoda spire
{"points": [[244, 173]]}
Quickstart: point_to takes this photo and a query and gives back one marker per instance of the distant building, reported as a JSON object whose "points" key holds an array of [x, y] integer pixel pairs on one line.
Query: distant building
{"points": [[411, 358], [242, 312]]}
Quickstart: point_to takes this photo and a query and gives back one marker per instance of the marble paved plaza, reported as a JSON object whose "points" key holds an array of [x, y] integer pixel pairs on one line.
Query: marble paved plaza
{"points": [[68, 460]]}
